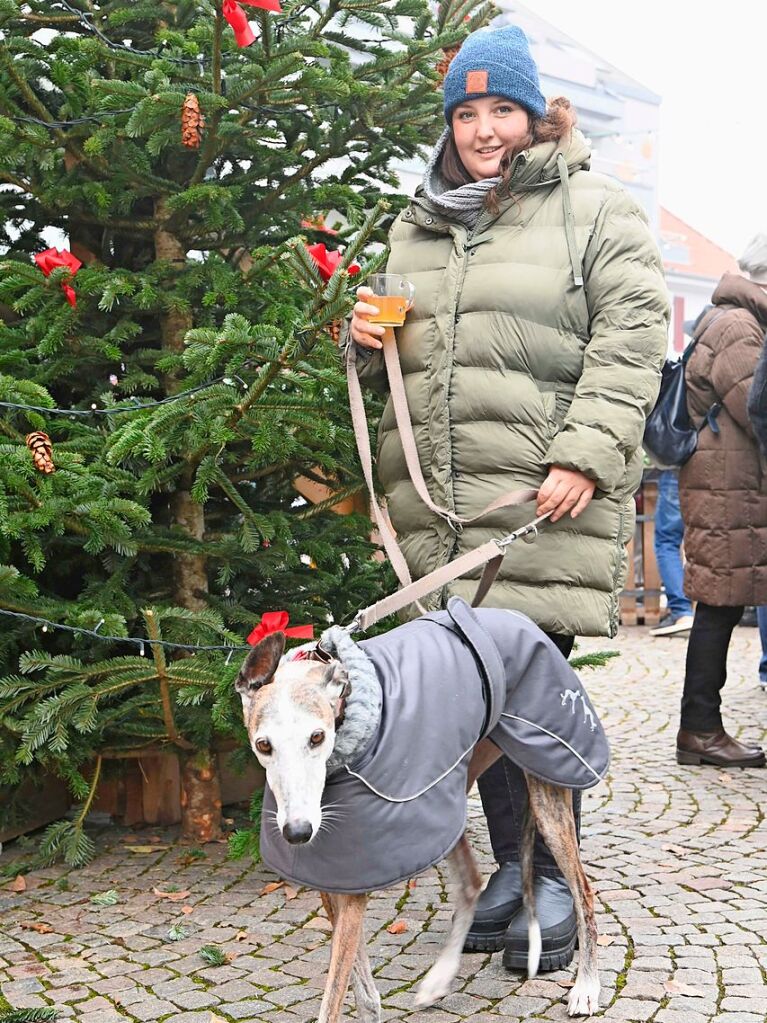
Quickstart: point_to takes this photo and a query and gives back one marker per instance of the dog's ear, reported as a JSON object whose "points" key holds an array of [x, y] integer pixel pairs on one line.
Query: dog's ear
{"points": [[261, 663], [336, 681]]}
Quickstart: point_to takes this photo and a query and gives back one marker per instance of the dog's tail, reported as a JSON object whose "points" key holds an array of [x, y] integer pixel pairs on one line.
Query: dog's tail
{"points": [[528, 895]]}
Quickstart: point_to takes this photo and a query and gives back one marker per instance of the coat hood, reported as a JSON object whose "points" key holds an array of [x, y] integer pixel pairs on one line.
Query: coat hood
{"points": [[541, 166], [736, 290]]}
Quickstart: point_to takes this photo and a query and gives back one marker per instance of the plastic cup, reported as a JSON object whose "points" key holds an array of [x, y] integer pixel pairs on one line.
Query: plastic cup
{"points": [[394, 296]]}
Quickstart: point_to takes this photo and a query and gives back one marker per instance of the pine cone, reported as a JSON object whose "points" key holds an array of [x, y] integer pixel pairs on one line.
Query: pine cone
{"points": [[335, 330], [192, 122], [444, 64], [40, 445]]}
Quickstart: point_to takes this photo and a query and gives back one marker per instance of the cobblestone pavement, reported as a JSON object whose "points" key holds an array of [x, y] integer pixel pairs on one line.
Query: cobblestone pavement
{"points": [[677, 855]]}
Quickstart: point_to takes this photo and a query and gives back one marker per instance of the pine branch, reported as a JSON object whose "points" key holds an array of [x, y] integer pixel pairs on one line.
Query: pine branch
{"points": [[596, 659]]}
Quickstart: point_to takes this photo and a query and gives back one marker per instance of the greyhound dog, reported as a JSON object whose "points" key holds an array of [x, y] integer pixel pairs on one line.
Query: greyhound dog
{"points": [[298, 715]]}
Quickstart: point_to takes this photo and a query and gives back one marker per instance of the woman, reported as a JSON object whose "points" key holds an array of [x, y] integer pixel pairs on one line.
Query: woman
{"points": [[531, 358], [723, 494]]}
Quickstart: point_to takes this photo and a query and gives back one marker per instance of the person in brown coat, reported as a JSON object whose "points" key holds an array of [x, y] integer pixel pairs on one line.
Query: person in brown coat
{"points": [[723, 495]]}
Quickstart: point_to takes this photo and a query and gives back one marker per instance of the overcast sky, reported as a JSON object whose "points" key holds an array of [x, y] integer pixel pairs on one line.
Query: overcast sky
{"points": [[709, 63]]}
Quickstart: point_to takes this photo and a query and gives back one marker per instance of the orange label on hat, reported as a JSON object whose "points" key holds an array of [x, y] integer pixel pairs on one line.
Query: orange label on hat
{"points": [[476, 81]]}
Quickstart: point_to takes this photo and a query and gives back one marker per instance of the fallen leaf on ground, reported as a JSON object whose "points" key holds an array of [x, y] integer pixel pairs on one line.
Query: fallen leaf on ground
{"points": [[240, 935], [319, 923], [290, 893], [146, 848], [187, 909], [605, 939], [171, 896], [412, 883], [677, 987], [398, 927], [40, 928], [19, 884], [271, 887]]}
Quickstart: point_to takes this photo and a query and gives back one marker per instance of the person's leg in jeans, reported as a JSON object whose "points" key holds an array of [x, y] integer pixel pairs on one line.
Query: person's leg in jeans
{"points": [[702, 738], [761, 618], [503, 792], [669, 534]]}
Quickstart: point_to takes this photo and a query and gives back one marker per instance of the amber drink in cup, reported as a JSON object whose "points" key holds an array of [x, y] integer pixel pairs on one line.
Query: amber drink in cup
{"points": [[394, 296]]}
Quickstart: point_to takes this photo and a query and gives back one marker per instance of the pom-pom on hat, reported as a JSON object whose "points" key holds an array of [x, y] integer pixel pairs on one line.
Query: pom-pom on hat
{"points": [[494, 62]]}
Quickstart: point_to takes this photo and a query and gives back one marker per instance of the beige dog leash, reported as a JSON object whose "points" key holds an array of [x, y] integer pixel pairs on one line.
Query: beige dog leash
{"points": [[489, 554]]}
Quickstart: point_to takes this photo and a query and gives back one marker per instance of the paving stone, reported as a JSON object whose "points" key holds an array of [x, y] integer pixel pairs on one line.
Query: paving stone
{"points": [[110, 1015], [195, 999], [13, 988], [249, 1009]]}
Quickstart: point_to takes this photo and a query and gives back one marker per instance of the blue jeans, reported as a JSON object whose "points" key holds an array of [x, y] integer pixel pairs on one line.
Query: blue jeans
{"points": [[669, 533], [761, 617]]}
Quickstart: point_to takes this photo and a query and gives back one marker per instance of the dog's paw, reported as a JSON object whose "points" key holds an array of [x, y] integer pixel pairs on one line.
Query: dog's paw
{"points": [[435, 985], [583, 999]]}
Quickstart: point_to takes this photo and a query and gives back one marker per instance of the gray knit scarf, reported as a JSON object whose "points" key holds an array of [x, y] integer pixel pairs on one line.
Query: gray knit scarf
{"points": [[464, 204]]}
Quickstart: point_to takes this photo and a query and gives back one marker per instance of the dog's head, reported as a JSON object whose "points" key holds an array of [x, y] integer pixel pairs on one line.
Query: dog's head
{"points": [[290, 710]]}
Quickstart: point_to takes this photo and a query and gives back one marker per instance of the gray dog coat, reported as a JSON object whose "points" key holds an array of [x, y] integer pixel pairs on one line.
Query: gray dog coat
{"points": [[448, 679]]}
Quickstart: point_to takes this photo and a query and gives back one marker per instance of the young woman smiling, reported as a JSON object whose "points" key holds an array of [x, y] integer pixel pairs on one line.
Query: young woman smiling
{"points": [[531, 358]]}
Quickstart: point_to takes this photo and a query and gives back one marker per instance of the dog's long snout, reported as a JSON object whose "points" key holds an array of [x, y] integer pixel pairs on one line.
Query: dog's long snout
{"points": [[297, 832]]}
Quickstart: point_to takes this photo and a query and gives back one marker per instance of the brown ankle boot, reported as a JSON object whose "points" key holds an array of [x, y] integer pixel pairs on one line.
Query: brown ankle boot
{"points": [[717, 748]]}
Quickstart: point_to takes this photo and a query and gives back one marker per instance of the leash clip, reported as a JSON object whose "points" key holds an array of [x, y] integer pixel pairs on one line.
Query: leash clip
{"points": [[529, 533]]}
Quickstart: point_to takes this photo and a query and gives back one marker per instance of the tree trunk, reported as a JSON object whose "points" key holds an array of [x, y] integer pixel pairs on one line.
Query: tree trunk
{"points": [[200, 788], [190, 575], [200, 797]]}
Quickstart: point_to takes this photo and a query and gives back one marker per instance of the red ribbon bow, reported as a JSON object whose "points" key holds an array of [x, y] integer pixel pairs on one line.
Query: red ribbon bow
{"points": [[327, 261], [237, 18], [276, 621], [51, 260]]}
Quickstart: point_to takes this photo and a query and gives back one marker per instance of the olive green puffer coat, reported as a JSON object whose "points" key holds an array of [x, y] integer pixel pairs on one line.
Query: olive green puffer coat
{"points": [[512, 364]]}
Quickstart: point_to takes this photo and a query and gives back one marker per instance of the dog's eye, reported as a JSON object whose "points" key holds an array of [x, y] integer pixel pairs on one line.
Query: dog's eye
{"points": [[317, 738], [264, 746]]}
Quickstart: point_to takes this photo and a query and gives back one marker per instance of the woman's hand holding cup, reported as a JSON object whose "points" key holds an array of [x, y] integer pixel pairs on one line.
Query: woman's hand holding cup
{"points": [[364, 333]]}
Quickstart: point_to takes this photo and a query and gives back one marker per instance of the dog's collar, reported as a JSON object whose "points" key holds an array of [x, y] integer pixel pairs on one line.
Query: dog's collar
{"points": [[341, 705]]}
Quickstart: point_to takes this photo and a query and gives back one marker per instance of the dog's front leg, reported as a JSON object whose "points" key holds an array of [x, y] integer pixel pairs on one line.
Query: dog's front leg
{"points": [[552, 809], [366, 996], [347, 913], [436, 984]]}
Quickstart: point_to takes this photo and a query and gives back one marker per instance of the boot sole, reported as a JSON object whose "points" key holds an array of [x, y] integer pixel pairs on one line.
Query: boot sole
{"points": [[699, 759], [515, 960], [484, 942]]}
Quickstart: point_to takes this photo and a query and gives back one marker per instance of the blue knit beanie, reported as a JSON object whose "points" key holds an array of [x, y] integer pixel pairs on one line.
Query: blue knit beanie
{"points": [[494, 62]]}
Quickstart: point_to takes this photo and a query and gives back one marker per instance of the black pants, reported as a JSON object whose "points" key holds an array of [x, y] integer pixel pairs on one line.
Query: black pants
{"points": [[503, 791], [706, 670]]}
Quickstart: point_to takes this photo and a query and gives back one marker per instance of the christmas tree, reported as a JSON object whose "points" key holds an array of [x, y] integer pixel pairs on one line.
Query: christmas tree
{"points": [[169, 293]]}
